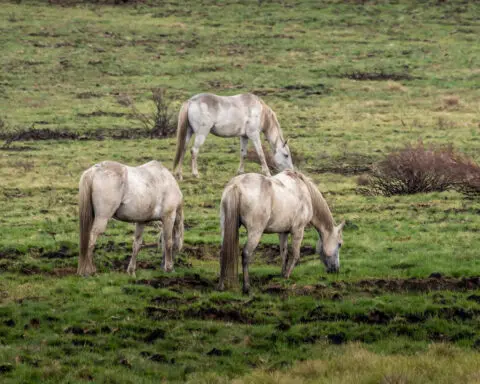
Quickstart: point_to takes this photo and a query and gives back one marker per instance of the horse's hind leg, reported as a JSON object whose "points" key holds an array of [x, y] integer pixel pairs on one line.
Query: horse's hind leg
{"points": [[182, 155], [297, 238], [284, 251], [137, 244], [98, 227], [167, 240], [199, 140], [252, 241]]}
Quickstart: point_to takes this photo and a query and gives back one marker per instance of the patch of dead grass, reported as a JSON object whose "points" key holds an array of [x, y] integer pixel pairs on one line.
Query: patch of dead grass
{"points": [[353, 363]]}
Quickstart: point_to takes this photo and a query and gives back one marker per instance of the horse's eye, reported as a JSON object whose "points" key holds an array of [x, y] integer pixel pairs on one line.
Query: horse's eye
{"points": [[339, 245], [285, 154]]}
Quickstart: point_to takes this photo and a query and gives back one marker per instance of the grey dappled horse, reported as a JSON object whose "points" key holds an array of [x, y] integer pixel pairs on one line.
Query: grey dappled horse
{"points": [[132, 194], [283, 204], [244, 116]]}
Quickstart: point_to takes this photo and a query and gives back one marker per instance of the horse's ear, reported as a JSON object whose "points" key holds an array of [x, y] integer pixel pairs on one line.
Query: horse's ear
{"points": [[342, 224]]}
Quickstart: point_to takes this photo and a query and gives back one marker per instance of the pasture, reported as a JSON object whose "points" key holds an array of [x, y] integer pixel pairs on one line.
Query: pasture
{"points": [[349, 81]]}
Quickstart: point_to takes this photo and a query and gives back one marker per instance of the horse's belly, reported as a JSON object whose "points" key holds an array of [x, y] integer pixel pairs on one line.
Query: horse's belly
{"points": [[228, 130], [137, 213]]}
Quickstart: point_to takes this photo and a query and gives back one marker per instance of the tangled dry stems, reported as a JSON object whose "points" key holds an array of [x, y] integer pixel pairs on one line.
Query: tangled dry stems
{"points": [[420, 168]]}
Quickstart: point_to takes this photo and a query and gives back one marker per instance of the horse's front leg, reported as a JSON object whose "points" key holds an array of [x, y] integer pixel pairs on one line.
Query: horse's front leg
{"points": [[283, 237], [167, 240], [252, 241], [297, 238], [137, 244], [243, 153], [258, 147]]}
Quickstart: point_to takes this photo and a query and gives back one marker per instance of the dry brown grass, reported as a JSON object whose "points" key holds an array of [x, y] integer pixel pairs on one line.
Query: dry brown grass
{"points": [[394, 86], [442, 363]]}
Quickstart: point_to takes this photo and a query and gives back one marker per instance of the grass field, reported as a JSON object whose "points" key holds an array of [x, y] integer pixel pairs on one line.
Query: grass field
{"points": [[349, 80]]}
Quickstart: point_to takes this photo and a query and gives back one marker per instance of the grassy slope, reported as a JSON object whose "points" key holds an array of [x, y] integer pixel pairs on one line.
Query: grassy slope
{"points": [[63, 64]]}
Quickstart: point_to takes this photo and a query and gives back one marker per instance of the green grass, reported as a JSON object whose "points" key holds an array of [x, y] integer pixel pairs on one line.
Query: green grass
{"points": [[348, 81]]}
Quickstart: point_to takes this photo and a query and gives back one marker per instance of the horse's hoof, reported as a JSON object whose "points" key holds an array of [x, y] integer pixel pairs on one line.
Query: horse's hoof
{"points": [[132, 273], [246, 291]]}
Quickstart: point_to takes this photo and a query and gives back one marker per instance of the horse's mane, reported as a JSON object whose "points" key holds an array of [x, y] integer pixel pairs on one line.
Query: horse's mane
{"points": [[319, 204], [269, 123]]}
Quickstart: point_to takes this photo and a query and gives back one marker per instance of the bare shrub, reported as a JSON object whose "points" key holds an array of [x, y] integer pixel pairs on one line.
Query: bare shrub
{"points": [[160, 123], [418, 168]]}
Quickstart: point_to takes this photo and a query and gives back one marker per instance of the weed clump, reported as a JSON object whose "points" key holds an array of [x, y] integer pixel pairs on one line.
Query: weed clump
{"points": [[421, 169], [161, 122]]}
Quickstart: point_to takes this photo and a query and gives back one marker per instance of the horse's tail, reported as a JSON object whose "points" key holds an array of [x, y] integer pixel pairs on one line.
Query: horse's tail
{"points": [[178, 229], [182, 128], [86, 214], [230, 216]]}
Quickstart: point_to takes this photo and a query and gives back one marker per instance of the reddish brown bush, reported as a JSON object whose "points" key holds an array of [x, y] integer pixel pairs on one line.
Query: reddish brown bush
{"points": [[470, 179], [418, 168]]}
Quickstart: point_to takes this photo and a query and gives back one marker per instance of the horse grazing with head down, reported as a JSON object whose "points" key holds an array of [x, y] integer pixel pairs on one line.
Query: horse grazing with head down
{"points": [[283, 204], [132, 194], [244, 116]]}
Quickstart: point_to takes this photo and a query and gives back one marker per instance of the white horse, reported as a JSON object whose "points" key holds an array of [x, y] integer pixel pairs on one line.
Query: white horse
{"points": [[243, 116], [283, 204], [132, 194]]}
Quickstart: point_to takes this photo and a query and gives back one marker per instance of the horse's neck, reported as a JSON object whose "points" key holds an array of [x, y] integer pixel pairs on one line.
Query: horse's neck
{"points": [[271, 129], [322, 218]]}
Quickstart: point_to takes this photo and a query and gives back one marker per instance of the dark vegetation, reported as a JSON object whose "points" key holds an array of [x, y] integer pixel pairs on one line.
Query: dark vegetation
{"points": [[421, 169]]}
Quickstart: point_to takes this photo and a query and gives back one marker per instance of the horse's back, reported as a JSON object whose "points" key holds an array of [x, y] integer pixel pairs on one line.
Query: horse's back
{"points": [[278, 203], [214, 101], [225, 116]]}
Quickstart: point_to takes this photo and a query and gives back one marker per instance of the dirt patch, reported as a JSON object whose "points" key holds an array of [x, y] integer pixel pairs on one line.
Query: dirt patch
{"points": [[379, 317], [62, 253], [374, 286], [376, 76], [220, 314], [33, 134], [39, 134], [102, 113], [88, 95], [121, 265], [61, 272], [434, 283], [190, 281], [10, 253]]}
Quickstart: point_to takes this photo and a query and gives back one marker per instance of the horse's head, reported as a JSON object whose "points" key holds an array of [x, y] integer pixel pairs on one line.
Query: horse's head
{"points": [[283, 157], [329, 248]]}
